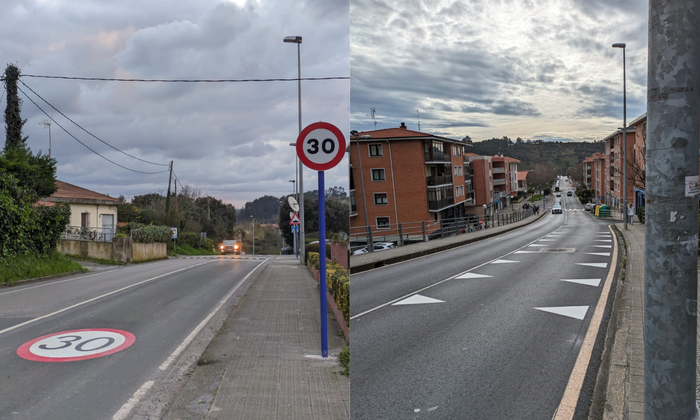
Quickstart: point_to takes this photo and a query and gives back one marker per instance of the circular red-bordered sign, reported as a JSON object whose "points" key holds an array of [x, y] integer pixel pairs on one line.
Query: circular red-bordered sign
{"points": [[73, 345], [320, 146]]}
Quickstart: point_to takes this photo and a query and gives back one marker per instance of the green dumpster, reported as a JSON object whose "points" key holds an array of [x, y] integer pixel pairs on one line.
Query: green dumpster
{"points": [[604, 211]]}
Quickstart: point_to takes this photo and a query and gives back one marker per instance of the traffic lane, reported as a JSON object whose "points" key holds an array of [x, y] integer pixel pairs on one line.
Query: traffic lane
{"points": [[485, 342], [160, 314], [21, 303], [375, 287]]}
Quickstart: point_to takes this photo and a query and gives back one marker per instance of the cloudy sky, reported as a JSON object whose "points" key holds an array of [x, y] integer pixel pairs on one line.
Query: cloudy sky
{"points": [[231, 140], [536, 69]]}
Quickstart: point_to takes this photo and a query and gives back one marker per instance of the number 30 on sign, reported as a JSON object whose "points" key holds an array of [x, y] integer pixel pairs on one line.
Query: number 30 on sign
{"points": [[320, 146], [70, 346]]}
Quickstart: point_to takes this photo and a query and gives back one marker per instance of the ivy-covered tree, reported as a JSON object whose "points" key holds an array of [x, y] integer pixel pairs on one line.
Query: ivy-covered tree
{"points": [[13, 118]]}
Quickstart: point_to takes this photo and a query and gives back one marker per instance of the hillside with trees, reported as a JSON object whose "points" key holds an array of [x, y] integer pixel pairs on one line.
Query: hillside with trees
{"points": [[560, 155]]}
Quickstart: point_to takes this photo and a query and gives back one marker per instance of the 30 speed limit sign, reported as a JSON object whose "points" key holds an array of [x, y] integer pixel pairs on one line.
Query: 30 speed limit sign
{"points": [[320, 146], [73, 345]]}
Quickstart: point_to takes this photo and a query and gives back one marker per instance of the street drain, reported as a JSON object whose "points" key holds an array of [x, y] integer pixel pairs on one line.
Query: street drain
{"points": [[559, 250]]}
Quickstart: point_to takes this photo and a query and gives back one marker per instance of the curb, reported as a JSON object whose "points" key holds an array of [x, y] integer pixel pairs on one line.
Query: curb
{"points": [[38, 279], [399, 258]]}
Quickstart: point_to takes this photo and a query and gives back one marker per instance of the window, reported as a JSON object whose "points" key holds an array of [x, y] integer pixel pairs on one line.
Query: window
{"points": [[378, 175], [458, 171], [383, 223], [381, 199], [85, 220], [375, 150]]}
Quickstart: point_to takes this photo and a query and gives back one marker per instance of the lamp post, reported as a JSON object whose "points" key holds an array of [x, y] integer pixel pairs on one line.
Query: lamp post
{"points": [[253, 217], [624, 132], [300, 168], [294, 187], [47, 124]]}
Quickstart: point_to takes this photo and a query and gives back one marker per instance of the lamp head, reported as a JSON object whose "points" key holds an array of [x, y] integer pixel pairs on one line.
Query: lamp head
{"points": [[293, 39], [615, 45]]}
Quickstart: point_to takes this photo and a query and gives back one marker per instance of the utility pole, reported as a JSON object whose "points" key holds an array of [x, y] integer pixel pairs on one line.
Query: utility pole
{"points": [[671, 230], [175, 196], [167, 197]]}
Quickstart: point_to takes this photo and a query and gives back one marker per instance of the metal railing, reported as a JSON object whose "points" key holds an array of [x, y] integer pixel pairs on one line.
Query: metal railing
{"points": [[401, 234], [439, 180], [80, 233]]}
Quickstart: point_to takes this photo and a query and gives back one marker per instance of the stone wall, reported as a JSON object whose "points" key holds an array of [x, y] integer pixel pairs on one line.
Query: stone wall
{"points": [[120, 249], [149, 251]]}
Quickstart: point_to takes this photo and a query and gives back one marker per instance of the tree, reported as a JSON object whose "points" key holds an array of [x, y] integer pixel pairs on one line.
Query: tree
{"points": [[13, 118], [540, 177]]}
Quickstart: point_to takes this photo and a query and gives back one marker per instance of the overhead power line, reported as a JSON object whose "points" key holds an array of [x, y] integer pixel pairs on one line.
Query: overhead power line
{"points": [[106, 79], [86, 146], [79, 126]]}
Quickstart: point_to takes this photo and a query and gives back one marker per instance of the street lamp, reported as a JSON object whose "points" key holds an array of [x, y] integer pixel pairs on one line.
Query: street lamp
{"points": [[253, 217], [300, 167], [47, 124], [294, 189], [624, 132]]}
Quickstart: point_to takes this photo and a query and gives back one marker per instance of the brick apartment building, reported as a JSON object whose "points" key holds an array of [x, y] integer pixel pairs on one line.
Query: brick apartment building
{"points": [[400, 175], [594, 175]]}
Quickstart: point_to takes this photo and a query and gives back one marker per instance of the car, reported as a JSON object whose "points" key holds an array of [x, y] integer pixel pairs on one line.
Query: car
{"points": [[589, 206], [378, 246], [557, 195], [556, 209], [569, 193], [230, 246], [318, 242]]}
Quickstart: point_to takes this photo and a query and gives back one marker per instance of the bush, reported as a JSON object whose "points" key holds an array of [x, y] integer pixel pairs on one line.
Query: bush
{"points": [[316, 248], [313, 259], [189, 238], [547, 191], [150, 233], [121, 235], [338, 282], [641, 214]]}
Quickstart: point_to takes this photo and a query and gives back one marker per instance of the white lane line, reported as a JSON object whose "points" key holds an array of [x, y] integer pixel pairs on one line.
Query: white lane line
{"points": [[567, 406], [417, 300], [602, 254], [97, 298], [602, 240], [597, 265], [129, 405], [504, 262], [602, 246], [577, 312], [201, 325], [587, 282], [526, 252], [547, 240], [57, 282], [537, 245], [473, 276]]}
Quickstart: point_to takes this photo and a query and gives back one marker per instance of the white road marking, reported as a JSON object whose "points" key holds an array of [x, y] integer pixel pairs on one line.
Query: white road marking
{"points": [[201, 325], [417, 300], [587, 282], [578, 312], [129, 405], [97, 298], [538, 245], [602, 246], [597, 265], [603, 240], [526, 252], [547, 240], [472, 276], [504, 262], [56, 282], [602, 254]]}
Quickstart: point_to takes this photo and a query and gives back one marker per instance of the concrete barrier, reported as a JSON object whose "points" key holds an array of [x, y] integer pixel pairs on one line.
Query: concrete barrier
{"points": [[121, 250], [150, 251]]}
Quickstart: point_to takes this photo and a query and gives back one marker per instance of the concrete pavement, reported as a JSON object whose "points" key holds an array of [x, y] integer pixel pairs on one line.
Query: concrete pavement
{"points": [[265, 361]]}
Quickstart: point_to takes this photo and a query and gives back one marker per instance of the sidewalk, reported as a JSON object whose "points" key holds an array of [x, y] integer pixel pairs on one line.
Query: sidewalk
{"points": [[625, 388], [265, 362], [370, 260]]}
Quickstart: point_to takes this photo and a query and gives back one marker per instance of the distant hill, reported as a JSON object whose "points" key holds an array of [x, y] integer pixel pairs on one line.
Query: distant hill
{"points": [[530, 153]]}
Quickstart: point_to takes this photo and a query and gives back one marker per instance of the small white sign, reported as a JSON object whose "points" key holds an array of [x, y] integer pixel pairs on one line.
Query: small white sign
{"points": [[293, 203], [174, 233], [692, 185]]}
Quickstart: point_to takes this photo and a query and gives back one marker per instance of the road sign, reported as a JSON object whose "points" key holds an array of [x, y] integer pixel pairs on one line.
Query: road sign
{"points": [[73, 345], [293, 203], [295, 228], [320, 146], [294, 220], [174, 229]]}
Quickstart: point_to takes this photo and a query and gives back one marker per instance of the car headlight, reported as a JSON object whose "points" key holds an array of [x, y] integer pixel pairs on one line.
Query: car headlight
{"points": [[235, 247], [222, 247]]}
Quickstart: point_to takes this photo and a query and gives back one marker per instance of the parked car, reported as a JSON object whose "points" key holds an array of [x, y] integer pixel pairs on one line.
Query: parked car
{"points": [[378, 246], [230, 246], [557, 195], [556, 209], [589, 206], [569, 193]]}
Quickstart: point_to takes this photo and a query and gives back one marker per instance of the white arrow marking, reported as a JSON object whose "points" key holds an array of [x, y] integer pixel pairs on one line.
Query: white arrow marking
{"points": [[587, 282], [578, 312], [602, 254], [417, 299], [599, 265], [504, 262], [472, 276], [602, 246]]}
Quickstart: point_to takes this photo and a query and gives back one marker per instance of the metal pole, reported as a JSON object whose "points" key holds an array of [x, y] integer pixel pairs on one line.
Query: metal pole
{"points": [[322, 262], [624, 138], [671, 229], [302, 234]]}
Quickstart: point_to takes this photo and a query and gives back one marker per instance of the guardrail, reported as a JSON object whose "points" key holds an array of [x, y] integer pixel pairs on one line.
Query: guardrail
{"points": [[80, 233], [405, 233]]}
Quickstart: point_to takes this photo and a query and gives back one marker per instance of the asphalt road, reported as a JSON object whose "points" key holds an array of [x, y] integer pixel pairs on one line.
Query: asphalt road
{"points": [[481, 349], [160, 303]]}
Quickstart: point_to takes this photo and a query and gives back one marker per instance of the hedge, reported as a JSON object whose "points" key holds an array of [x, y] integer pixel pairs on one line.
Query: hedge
{"points": [[337, 282], [150, 233]]}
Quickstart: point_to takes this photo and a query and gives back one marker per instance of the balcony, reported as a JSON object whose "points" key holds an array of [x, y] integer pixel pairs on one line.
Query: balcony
{"points": [[439, 180], [499, 170], [499, 181], [439, 204], [435, 156]]}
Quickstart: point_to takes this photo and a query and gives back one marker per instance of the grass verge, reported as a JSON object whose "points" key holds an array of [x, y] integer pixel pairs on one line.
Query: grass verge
{"points": [[22, 267], [344, 359], [95, 260], [185, 249]]}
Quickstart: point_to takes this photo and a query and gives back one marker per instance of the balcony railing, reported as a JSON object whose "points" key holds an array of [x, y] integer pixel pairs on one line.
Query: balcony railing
{"points": [[499, 170], [437, 157], [439, 180], [438, 204], [499, 181], [79, 233]]}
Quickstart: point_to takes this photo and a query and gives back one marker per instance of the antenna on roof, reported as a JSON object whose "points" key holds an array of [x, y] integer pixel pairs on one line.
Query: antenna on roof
{"points": [[418, 115], [373, 113]]}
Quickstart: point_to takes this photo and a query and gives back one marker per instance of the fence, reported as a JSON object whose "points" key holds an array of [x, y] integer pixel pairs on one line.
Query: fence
{"points": [[422, 231], [95, 234]]}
